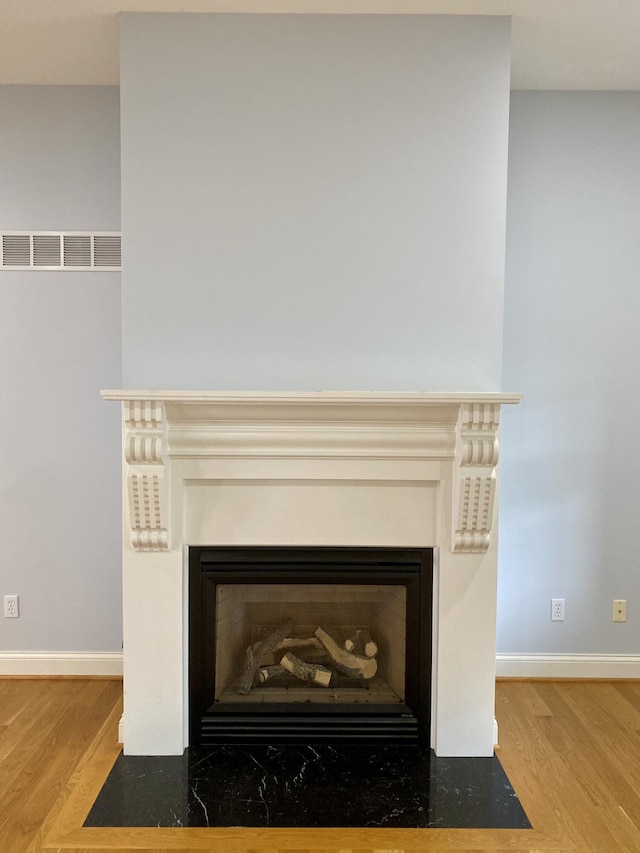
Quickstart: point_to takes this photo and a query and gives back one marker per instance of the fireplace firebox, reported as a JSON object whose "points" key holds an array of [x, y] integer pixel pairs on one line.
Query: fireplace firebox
{"points": [[309, 645]]}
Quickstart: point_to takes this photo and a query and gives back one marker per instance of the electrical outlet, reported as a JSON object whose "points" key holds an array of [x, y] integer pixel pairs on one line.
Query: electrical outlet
{"points": [[619, 609], [11, 610], [557, 609]]}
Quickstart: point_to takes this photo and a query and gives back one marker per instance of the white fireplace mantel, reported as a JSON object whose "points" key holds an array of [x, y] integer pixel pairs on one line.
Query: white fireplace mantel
{"points": [[317, 468]]}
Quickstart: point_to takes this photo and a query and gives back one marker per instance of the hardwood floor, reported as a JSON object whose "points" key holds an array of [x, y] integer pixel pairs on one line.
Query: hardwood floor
{"points": [[570, 749]]}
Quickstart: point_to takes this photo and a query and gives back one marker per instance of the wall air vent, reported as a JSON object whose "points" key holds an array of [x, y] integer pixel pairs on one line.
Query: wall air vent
{"points": [[77, 250], [16, 250], [106, 250], [46, 250], [53, 250]]}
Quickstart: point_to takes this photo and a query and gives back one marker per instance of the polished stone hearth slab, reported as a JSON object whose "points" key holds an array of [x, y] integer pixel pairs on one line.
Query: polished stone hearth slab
{"points": [[308, 786]]}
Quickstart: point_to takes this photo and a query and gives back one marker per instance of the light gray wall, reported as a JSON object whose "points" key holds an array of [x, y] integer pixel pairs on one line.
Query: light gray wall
{"points": [[60, 164], [313, 202], [570, 468], [60, 343]]}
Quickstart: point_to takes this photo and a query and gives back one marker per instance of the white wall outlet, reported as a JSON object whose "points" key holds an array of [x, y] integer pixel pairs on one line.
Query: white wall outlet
{"points": [[619, 609], [557, 609], [11, 609]]}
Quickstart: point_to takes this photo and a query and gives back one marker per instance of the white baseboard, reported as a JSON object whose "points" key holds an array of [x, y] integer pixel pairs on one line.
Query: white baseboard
{"points": [[61, 663], [567, 666], [507, 665]]}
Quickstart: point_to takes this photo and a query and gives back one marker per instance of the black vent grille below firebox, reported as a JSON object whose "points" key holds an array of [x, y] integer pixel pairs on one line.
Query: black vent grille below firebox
{"points": [[307, 728]]}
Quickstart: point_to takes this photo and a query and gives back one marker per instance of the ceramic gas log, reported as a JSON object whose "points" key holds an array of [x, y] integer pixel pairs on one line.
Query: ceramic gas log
{"points": [[255, 654], [361, 644], [316, 659], [355, 666], [314, 672]]}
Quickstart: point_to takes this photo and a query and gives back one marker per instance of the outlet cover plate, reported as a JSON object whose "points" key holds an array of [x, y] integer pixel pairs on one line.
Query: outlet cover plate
{"points": [[11, 607]]}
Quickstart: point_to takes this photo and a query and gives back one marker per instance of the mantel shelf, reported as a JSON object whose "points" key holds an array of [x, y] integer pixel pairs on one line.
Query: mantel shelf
{"points": [[292, 397]]}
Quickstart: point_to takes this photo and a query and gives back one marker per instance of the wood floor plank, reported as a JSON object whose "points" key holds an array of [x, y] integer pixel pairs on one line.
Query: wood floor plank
{"points": [[569, 749], [21, 711], [84, 784], [48, 749], [613, 702], [31, 735], [242, 840], [424, 847], [528, 761], [531, 702], [580, 774], [603, 754], [12, 702], [630, 691], [621, 827]]}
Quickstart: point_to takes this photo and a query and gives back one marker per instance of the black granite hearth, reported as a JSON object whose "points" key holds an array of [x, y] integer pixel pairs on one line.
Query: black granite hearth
{"points": [[308, 786]]}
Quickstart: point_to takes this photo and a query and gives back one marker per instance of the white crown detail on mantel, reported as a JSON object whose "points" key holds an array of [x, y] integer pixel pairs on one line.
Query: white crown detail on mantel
{"points": [[458, 429]]}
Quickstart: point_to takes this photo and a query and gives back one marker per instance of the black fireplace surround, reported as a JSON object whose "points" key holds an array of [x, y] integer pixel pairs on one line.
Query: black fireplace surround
{"points": [[406, 572]]}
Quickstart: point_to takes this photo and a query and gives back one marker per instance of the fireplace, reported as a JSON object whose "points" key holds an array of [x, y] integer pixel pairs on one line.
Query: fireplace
{"points": [[318, 470], [309, 644]]}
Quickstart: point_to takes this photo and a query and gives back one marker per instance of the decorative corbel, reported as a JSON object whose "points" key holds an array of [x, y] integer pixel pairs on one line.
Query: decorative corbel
{"points": [[475, 476], [147, 478]]}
